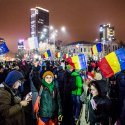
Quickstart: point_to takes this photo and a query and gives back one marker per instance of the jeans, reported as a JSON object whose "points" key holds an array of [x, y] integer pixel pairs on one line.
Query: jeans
{"points": [[76, 106]]}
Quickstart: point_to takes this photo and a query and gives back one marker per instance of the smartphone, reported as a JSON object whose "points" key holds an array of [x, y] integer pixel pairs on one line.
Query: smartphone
{"points": [[29, 95]]}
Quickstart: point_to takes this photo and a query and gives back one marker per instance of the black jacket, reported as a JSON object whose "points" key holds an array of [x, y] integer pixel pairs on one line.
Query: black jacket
{"points": [[101, 114]]}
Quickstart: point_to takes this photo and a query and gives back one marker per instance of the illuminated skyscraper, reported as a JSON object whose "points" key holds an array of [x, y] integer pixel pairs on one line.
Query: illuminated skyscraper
{"points": [[107, 33], [39, 24]]}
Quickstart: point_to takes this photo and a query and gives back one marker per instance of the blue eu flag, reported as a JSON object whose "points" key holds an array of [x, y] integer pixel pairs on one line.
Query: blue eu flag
{"points": [[3, 48]]}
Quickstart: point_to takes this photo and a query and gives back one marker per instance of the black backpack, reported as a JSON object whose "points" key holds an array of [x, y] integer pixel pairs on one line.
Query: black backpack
{"points": [[72, 83]]}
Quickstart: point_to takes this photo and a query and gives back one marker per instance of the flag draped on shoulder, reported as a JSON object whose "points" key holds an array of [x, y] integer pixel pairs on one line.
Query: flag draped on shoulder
{"points": [[112, 63], [3, 48]]}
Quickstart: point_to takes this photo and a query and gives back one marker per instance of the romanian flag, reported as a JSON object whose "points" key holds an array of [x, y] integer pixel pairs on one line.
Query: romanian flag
{"points": [[112, 63], [59, 54], [97, 48], [66, 56], [47, 54], [78, 62]]}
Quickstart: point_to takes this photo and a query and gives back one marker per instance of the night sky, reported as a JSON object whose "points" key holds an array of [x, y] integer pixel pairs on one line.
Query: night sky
{"points": [[81, 18]]}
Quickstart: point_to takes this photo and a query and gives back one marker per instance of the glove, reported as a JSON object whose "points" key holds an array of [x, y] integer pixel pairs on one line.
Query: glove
{"points": [[60, 117]]}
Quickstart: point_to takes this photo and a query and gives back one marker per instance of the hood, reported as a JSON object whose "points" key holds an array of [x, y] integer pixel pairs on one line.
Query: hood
{"points": [[74, 74], [12, 77]]}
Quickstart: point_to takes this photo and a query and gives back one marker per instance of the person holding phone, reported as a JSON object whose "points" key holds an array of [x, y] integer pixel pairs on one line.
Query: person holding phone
{"points": [[11, 105]]}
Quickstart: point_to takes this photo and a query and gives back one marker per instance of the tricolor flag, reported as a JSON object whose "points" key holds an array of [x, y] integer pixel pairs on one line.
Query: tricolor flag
{"points": [[97, 48], [66, 56], [78, 62], [112, 63], [59, 54], [3, 48], [47, 54]]}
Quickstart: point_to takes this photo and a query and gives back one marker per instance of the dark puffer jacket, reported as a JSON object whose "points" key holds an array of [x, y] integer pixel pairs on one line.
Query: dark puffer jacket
{"points": [[50, 103], [10, 110]]}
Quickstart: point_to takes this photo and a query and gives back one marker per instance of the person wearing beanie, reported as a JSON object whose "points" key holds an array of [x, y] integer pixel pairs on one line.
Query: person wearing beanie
{"points": [[11, 105], [50, 103]]}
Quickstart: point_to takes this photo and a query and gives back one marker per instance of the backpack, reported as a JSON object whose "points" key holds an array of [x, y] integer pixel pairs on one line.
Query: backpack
{"points": [[72, 83]]}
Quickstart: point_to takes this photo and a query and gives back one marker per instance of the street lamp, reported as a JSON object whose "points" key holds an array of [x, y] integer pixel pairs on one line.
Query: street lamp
{"points": [[63, 29]]}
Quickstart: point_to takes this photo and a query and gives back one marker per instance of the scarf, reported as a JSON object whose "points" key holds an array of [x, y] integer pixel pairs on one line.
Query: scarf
{"points": [[49, 86]]}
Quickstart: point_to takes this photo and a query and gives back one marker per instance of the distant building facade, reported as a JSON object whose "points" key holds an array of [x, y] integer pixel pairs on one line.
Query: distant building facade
{"points": [[86, 47], [39, 24]]}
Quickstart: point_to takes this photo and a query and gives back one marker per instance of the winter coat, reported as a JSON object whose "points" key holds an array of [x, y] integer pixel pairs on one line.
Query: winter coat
{"points": [[11, 112], [101, 113], [79, 84], [50, 103]]}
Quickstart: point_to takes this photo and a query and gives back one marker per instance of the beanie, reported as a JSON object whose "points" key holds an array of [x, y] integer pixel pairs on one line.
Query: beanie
{"points": [[48, 73], [12, 77]]}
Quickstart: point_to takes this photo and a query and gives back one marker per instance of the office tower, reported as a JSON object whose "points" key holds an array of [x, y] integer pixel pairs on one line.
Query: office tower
{"points": [[39, 24]]}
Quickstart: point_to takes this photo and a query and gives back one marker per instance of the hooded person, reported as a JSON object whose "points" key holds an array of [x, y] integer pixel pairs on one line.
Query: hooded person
{"points": [[11, 105], [50, 103], [99, 106]]}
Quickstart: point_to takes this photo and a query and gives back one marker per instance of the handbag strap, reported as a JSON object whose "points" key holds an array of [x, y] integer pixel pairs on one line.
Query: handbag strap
{"points": [[40, 91]]}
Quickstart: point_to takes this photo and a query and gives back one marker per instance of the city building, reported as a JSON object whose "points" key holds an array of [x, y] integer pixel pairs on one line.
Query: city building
{"points": [[107, 33], [75, 48], [39, 24], [84, 47]]}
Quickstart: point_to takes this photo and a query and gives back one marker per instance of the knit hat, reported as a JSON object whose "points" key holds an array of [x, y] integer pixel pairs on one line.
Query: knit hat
{"points": [[12, 77], [48, 73]]}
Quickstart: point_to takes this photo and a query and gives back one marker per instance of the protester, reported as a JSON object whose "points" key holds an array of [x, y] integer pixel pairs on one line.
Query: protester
{"points": [[76, 93], [114, 97], [11, 106], [120, 80], [99, 107], [50, 104]]}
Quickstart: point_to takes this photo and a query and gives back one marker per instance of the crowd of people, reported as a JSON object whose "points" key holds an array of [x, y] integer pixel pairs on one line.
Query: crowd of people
{"points": [[53, 92]]}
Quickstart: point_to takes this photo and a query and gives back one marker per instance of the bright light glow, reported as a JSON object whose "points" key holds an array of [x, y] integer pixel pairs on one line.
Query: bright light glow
{"points": [[96, 40], [42, 9], [45, 30], [21, 40], [101, 29], [56, 31], [36, 56], [42, 36], [51, 28], [77, 46], [63, 29], [109, 24]]}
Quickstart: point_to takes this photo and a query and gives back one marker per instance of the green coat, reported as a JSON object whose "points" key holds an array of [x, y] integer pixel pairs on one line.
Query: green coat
{"points": [[50, 103], [10, 111], [79, 84]]}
